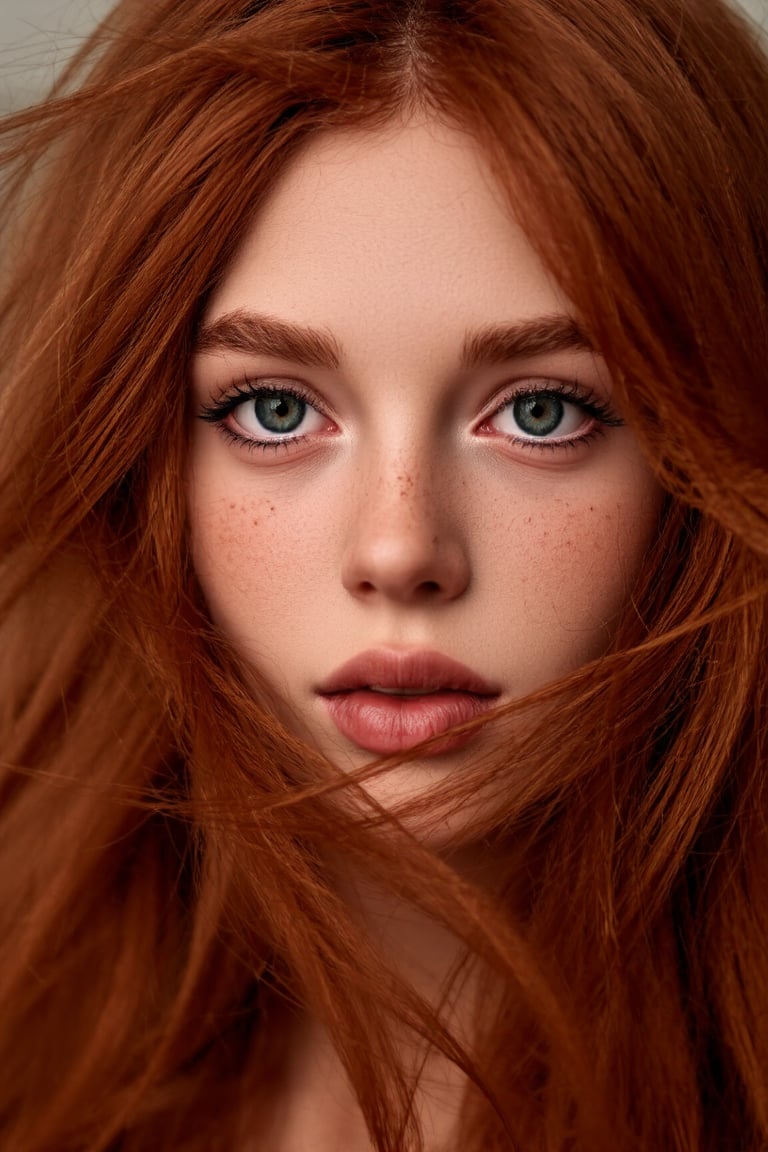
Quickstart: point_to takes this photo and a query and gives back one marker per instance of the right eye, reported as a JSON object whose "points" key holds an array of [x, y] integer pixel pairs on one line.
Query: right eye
{"points": [[276, 413], [265, 415]]}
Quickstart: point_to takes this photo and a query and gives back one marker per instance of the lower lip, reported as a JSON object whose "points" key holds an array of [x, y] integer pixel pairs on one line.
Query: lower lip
{"points": [[390, 724]]}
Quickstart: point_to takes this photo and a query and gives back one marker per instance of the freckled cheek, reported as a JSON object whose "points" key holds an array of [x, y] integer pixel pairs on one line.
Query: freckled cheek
{"points": [[253, 562], [214, 557], [611, 544], [572, 572], [229, 537]]}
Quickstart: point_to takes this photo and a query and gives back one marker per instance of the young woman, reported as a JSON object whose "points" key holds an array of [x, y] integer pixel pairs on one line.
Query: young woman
{"points": [[383, 530]]}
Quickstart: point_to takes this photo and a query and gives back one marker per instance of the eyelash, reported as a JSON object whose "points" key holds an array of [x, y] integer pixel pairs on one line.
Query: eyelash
{"points": [[250, 390], [569, 391]]}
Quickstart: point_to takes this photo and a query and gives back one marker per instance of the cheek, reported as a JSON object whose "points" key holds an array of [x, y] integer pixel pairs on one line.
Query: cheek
{"points": [[255, 561], [232, 557], [569, 574], [608, 546]]}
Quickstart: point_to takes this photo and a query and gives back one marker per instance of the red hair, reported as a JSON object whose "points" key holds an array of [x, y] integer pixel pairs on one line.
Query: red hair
{"points": [[164, 841]]}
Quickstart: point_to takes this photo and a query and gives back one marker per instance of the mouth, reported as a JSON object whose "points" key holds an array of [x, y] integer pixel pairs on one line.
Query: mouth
{"points": [[386, 701], [401, 691]]}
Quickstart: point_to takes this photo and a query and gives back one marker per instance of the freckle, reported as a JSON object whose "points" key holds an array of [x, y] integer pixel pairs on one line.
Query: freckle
{"points": [[255, 523], [231, 507]]}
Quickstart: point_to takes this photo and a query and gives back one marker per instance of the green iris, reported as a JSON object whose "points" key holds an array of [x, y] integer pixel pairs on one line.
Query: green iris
{"points": [[279, 411], [538, 414]]}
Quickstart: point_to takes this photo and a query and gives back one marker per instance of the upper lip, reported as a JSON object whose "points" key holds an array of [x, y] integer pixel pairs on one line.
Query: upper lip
{"points": [[414, 670]]}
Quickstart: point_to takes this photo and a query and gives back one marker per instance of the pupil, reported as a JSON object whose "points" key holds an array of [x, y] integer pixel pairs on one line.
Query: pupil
{"points": [[538, 415], [279, 411]]}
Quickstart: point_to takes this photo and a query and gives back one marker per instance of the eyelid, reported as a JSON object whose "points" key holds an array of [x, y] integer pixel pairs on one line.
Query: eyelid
{"points": [[240, 392]]}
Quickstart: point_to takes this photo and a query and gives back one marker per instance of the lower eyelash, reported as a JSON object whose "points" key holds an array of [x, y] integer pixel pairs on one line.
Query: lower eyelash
{"points": [[271, 445]]}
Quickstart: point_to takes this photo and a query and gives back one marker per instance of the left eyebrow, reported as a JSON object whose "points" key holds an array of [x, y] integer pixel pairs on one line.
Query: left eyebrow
{"points": [[522, 339]]}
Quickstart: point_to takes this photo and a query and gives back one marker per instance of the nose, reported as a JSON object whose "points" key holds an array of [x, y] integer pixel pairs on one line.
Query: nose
{"points": [[407, 542]]}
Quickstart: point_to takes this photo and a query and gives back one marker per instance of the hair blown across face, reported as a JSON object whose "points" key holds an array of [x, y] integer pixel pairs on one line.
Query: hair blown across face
{"points": [[164, 841]]}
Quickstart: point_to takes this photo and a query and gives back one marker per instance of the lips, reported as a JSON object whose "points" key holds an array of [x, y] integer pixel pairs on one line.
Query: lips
{"points": [[386, 700]]}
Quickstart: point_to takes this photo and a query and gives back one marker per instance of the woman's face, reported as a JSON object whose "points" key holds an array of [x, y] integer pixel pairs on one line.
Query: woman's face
{"points": [[411, 493]]}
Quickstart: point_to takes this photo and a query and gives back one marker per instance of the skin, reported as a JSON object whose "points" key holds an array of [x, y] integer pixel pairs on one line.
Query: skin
{"points": [[414, 512]]}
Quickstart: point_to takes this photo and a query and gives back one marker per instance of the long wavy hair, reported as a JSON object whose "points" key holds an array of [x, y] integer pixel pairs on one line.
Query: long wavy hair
{"points": [[166, 896]]}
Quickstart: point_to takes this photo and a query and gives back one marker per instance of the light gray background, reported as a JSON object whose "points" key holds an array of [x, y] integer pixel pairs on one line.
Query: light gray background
{"points": [[37, 35]]}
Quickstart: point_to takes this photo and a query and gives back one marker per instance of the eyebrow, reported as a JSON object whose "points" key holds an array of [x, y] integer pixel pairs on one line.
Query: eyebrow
{"points": [[266, 336], [261, 335], [523, 339]]}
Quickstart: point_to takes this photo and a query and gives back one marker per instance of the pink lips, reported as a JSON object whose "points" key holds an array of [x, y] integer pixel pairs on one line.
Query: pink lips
{"points": [[362, 700]]}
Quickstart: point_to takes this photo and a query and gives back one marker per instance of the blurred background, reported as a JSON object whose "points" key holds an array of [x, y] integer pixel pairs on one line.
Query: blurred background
{"points": [[37, 35]]}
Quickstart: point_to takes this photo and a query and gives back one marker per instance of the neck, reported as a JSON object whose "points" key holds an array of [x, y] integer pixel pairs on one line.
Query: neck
{"points": [[318, 1109]]}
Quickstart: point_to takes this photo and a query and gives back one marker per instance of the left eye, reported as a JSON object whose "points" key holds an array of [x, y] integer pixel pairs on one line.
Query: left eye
{"points": [[275, 412], [539, 415]]}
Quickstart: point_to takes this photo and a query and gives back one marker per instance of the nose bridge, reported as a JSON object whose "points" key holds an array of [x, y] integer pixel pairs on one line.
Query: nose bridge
{"points": [[403, 482], [406, 539]]}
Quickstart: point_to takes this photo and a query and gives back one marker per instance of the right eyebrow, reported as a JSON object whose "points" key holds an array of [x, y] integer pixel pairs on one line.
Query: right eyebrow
{"points": [[261, 335]]}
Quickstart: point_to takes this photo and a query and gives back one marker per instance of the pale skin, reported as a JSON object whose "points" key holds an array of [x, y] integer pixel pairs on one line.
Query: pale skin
{"points": [[407, 508]]}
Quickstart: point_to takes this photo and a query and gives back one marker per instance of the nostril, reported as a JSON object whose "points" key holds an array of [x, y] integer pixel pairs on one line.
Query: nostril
{"points": [[402, 562]]}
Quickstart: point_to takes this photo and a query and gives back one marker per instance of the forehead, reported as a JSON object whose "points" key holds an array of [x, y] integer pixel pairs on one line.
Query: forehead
{"points": [[396, 231]]}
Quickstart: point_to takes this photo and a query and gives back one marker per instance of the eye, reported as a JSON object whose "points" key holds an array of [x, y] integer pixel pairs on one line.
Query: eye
{"points": [[539, 415], [262, 415], [557, 415], [275, 412]]}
